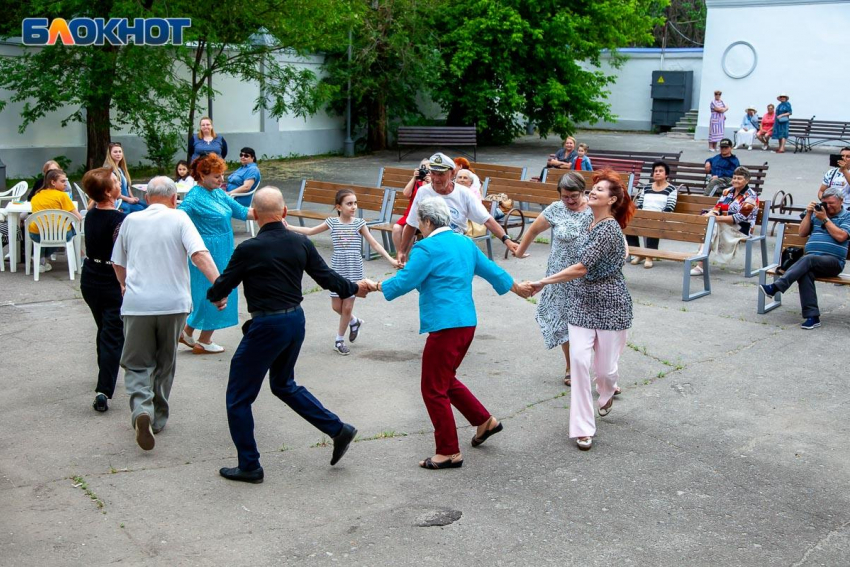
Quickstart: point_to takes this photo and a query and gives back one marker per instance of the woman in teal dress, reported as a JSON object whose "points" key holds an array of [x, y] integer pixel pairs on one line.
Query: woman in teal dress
{"points": [[211, 210], [780, 125]]}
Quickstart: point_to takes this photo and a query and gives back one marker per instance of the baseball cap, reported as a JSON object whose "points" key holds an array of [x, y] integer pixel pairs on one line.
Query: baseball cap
{"points": [[725, 143], [441, 162]]}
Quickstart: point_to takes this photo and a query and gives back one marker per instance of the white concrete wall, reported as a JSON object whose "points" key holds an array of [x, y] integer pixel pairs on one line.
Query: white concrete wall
{"points": [[233, 116], [801, 48], [630, 98]]}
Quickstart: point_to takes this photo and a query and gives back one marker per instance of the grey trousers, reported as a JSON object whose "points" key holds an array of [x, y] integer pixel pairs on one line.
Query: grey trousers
{"points": [[804, 271], [717, 185], [149, 359]]}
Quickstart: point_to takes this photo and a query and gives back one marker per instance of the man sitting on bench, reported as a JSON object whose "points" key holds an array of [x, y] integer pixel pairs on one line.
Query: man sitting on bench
{"points": [[825, 252], [720, 168]]}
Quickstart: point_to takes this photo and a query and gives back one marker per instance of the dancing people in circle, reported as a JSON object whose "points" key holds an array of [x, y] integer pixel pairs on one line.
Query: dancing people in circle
{"points": [[211, 211], [441, 268], [346, 230], [599, 311], [98, 283], [568, 218], [271, 267]]}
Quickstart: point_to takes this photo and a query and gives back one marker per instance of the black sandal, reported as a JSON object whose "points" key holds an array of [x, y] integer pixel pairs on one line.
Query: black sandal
{"points": [[449, 464], [476, 441]]}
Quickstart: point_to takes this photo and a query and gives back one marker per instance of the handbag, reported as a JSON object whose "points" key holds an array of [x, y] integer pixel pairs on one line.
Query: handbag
{"points": [[505, 203], [789, 256], [783, 119]]}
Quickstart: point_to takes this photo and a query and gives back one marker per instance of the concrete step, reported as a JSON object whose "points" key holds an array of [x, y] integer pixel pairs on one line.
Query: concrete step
{"points": [[681, 130], [672, 134]]}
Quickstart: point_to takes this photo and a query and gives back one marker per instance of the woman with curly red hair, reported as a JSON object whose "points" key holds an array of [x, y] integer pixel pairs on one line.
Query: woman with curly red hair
{"points": [[599, 312], [211, 210]]}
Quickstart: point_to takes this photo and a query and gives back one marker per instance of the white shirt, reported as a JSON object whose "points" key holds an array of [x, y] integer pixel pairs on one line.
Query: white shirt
{"points": [[834, 178], [153, 246], [462, 204]]}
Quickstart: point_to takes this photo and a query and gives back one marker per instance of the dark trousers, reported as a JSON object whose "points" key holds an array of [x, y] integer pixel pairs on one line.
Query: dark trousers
{"points": [[105, 305], [271, 344], [444, 351], [650, 242], [804, 271]]}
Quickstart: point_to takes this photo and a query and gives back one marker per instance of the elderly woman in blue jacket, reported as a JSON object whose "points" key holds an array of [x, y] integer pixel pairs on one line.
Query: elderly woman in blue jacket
{"points": [[441, 267]]}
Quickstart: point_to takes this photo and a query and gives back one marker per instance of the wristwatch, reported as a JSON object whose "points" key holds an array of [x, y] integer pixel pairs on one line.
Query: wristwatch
{"points": [[505, 237]]}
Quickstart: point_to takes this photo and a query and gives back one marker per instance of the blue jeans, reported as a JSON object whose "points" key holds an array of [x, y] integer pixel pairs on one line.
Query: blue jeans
{"points": [[271, 344]]}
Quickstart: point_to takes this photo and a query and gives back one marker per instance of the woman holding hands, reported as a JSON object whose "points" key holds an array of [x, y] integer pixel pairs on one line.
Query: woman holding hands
{"points": [[599, 311]]}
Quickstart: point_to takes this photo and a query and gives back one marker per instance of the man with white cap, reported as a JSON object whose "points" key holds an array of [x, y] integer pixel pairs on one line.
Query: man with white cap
{"points": [[463, 206], [749, 126]]}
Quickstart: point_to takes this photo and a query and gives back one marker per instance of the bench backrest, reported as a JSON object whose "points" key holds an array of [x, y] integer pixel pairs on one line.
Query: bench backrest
{"points": [[324, 193], [429, 135], [618, 165], [791, 238], [692, 175], [669, 226], [646, 159], [530, 192], [555, 177], [695, 204], [483, 170], [799, 126], [829, 129]]}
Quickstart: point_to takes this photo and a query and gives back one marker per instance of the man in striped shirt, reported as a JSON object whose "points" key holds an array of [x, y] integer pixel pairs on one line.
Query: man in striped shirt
{"points": [[825, 253]]}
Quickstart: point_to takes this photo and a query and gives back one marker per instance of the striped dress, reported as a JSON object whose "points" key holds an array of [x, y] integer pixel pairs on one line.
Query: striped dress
{"points": [[346, 259], [717, 123]]}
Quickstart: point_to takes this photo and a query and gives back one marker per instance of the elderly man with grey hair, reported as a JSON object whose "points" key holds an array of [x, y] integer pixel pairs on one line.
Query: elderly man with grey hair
{"points": [[442, 267], [149, 259], [827, 225]]}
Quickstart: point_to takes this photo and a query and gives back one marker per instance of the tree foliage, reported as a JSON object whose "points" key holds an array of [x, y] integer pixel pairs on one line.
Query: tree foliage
{"points": [[509, 61], [684, 24]]}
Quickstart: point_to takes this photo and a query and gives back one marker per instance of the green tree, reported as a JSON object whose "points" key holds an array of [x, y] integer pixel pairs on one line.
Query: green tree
{"points": [[394, 59], [684, 24], [513, 60]]}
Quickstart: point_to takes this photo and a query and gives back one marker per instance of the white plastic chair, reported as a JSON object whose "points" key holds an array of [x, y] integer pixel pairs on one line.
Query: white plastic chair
{"points": [[16, 192], [53, 226]]}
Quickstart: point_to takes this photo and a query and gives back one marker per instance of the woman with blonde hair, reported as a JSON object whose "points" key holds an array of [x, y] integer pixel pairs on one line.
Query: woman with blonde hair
{"points": [[206, 141], [116, 161]]}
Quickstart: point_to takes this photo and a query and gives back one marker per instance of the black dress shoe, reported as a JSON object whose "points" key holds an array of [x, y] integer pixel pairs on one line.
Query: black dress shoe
{"points": [[254, 477], [100, 403], [342, 441]]}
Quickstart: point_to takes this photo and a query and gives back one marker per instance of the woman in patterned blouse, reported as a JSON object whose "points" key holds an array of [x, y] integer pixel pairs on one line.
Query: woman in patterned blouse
{"points": [[600, 308], [735, 214]]}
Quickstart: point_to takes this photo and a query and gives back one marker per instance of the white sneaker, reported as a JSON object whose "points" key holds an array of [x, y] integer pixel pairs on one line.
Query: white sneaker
{"points": [[46, 267], [696, 271], [53, 257], [206, 348]]}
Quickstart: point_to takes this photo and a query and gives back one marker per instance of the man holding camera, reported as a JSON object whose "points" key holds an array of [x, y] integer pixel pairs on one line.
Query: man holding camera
{"points": [[838, 177], [827, 225], [720, 168]]}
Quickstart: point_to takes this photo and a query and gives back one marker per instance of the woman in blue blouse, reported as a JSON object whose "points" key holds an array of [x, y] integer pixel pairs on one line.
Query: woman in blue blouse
{"points": [[116, 162], [211, 211], [441, 268], [780, 125], [245, 179], [206, 141]]}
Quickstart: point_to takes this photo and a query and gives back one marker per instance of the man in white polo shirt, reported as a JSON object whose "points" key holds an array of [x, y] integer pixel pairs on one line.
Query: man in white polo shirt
{"points": [[149, 259], [463, 206]]}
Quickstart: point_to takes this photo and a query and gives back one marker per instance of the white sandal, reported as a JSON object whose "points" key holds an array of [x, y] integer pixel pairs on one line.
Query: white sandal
{"points": [[696, 270], [187, 340], [584, 443], [206, 348]]}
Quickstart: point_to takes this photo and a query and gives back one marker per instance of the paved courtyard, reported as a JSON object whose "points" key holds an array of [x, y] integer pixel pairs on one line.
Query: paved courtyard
{"points": [[727, 447]]}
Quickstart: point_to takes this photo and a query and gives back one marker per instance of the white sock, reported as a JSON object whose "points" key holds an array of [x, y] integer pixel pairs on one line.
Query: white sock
{"points": [[340, 338], [353, 321]]}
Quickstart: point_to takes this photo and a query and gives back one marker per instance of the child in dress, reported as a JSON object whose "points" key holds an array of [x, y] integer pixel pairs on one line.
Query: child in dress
{"points": [[346, 230], [182, 176]]}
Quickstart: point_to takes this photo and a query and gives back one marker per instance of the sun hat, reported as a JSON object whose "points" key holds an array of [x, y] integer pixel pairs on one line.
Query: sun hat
{"points": [[782, 95]]}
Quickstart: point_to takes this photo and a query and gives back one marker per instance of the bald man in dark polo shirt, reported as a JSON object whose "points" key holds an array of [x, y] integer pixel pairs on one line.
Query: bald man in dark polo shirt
{"points": [[270, 267]]}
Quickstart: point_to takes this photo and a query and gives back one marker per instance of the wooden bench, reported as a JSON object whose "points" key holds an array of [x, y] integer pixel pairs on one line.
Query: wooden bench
{"points": [[798, 130], [680, 228], [371, 203], [788, 236], [820, 132], [783, 210], [437, 136], [619, 165], [494, 170], [628, 179], [695, 204], [693, 177], [523, 194], [646, 158]]}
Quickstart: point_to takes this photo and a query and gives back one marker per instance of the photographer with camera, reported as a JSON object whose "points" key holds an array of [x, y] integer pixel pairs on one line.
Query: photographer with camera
{"points": [[838, 177], [827, 225], [421, 176]]}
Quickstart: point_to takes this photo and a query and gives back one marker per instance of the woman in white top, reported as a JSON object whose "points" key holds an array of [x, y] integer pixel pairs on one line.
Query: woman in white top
{"points": [[660, 195]]}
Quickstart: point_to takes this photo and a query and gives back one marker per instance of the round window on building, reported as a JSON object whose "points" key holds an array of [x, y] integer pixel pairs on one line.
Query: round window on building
{"points": [[739, 60]]}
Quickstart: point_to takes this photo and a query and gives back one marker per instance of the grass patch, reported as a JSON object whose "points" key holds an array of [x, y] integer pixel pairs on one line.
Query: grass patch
{"points": [[531, 300], [323, 442], [80, 482], [313, 289], [541, 240], [389, 434]]}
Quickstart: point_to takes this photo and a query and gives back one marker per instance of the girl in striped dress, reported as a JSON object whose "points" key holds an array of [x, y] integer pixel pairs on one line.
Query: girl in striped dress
{"points": [[346, 230]]}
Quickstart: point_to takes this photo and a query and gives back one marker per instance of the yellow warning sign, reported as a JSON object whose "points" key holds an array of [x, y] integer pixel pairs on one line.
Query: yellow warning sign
{"points": [[661, 79]]}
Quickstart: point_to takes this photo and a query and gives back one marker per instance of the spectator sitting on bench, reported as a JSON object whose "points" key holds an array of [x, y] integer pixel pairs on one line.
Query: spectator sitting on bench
{"points": [[563, 158], [661, 196], [824, 255], [720, 168], [462, 163], [838, 178], [736, 213], [582, 162], [749, 127], [766, 129]]}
